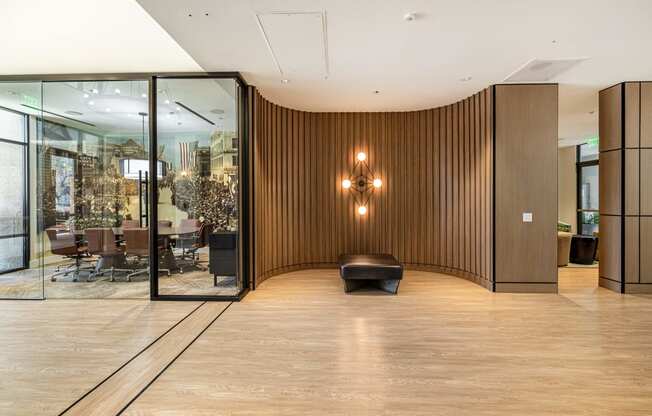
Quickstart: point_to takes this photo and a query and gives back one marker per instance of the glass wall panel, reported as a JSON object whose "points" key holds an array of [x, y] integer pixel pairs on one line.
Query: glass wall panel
{"points": [[198, 203], [589, 198], [21, 274], [91, 208]]}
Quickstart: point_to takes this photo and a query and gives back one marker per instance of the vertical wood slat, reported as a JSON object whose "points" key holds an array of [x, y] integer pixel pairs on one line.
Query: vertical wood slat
{"points": [[433, 210]]}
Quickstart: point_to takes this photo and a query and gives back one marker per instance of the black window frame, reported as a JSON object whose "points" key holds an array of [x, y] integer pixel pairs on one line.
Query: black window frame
{"points": [[26, 199], [246, 273]]}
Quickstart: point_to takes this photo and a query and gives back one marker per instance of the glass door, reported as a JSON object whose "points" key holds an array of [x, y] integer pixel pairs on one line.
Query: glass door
{"points": [[95, 153], [198, 204]]}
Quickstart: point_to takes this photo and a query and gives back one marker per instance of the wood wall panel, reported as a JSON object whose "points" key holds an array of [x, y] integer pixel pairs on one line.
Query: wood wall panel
{"points": [[632, 117], [610, 116], [526, 181], [625, 233], [646, 114], [433, 212], [610, 182]]}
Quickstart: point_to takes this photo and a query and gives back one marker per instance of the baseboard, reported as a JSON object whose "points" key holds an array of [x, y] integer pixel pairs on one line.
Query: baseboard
{"points": [[609, 284], [526, 287], [640, 288]]}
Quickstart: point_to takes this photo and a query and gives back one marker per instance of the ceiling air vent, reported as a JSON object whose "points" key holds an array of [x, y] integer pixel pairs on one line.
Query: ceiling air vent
{"points": [[542, 70]]}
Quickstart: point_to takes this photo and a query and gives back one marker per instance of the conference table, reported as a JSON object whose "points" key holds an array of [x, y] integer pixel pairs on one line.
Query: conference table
{"points": [[166, 233], [163, 231]]}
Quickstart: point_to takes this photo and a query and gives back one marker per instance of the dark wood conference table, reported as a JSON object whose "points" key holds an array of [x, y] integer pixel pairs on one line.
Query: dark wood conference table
{"points": [[162, 231], [166, 233]]}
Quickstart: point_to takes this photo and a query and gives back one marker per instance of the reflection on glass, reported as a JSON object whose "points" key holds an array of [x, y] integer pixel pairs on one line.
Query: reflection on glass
{"points": [[589, 199], [589, 150], [88, 130], [198, 139], [20, 248]]}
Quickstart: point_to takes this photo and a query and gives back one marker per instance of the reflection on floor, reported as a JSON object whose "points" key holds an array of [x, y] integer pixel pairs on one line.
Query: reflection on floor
{"points": [[444, 346], [29, 283], [299, 345], [55, 351]]}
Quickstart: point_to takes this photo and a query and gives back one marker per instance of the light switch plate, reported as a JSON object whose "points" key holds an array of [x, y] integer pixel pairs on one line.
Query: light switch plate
{"points": [[527, 217]]}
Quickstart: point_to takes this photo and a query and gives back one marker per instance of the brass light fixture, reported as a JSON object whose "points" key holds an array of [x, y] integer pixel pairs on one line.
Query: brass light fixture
{"points": [[362, 182]]}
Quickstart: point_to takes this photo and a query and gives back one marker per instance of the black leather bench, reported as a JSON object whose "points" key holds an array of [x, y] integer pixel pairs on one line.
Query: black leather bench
{"points": [[380, 270]]}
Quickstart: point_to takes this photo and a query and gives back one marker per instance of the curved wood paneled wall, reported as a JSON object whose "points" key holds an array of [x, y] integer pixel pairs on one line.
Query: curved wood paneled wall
{"points": [[434, 210]]}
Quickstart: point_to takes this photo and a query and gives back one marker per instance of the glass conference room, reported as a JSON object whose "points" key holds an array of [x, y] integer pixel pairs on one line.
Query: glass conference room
{"points": [[123, 187]]}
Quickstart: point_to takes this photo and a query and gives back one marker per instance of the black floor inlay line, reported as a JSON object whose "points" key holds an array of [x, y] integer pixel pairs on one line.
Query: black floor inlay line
{"points": [[131, 359], [174, 359]]}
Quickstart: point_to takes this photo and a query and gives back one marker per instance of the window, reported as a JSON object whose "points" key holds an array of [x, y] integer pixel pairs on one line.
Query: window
{"points": [[14, 234], [588, 217]]}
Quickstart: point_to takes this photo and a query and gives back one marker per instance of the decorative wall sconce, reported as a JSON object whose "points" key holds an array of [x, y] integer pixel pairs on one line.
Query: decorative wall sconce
{"points": [[362, 182]]}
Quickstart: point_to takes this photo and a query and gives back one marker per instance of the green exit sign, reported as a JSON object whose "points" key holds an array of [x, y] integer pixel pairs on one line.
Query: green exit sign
{"points": [[31, 101]]}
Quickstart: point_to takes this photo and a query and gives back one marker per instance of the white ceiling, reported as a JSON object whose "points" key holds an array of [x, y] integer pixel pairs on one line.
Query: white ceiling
{"points": [[368, 46], [85, 36], [419, 64]]}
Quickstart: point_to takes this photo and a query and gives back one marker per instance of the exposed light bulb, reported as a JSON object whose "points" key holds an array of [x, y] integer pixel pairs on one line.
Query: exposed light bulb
{"points": [[361, 156], [346, 184], [378, 183], [362, 210]]}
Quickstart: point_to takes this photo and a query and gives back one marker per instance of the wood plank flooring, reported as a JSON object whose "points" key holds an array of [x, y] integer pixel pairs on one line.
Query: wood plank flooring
{"points": [[299, 345], [54, 351], [120, 389], [443, 346]]}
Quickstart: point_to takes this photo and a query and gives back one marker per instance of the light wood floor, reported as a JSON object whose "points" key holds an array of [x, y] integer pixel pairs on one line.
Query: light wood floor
{"points": [[54, 351], [443, 346], [298, 345]]}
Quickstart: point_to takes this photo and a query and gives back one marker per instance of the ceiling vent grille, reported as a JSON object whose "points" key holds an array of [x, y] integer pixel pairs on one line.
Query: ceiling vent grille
{"points": [[542, 70]]}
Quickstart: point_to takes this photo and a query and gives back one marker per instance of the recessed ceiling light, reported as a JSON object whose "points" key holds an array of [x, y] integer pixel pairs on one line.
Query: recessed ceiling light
{"points": [[285, 80], [376, 92], [554, 41], [466, 79], [91, 102], [117, 90], [95, 91], [108, 110], [409, 17]]}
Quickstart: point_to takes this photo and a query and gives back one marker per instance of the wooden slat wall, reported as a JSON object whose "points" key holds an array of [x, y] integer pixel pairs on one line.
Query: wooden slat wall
{"points": [[433, 211]]}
